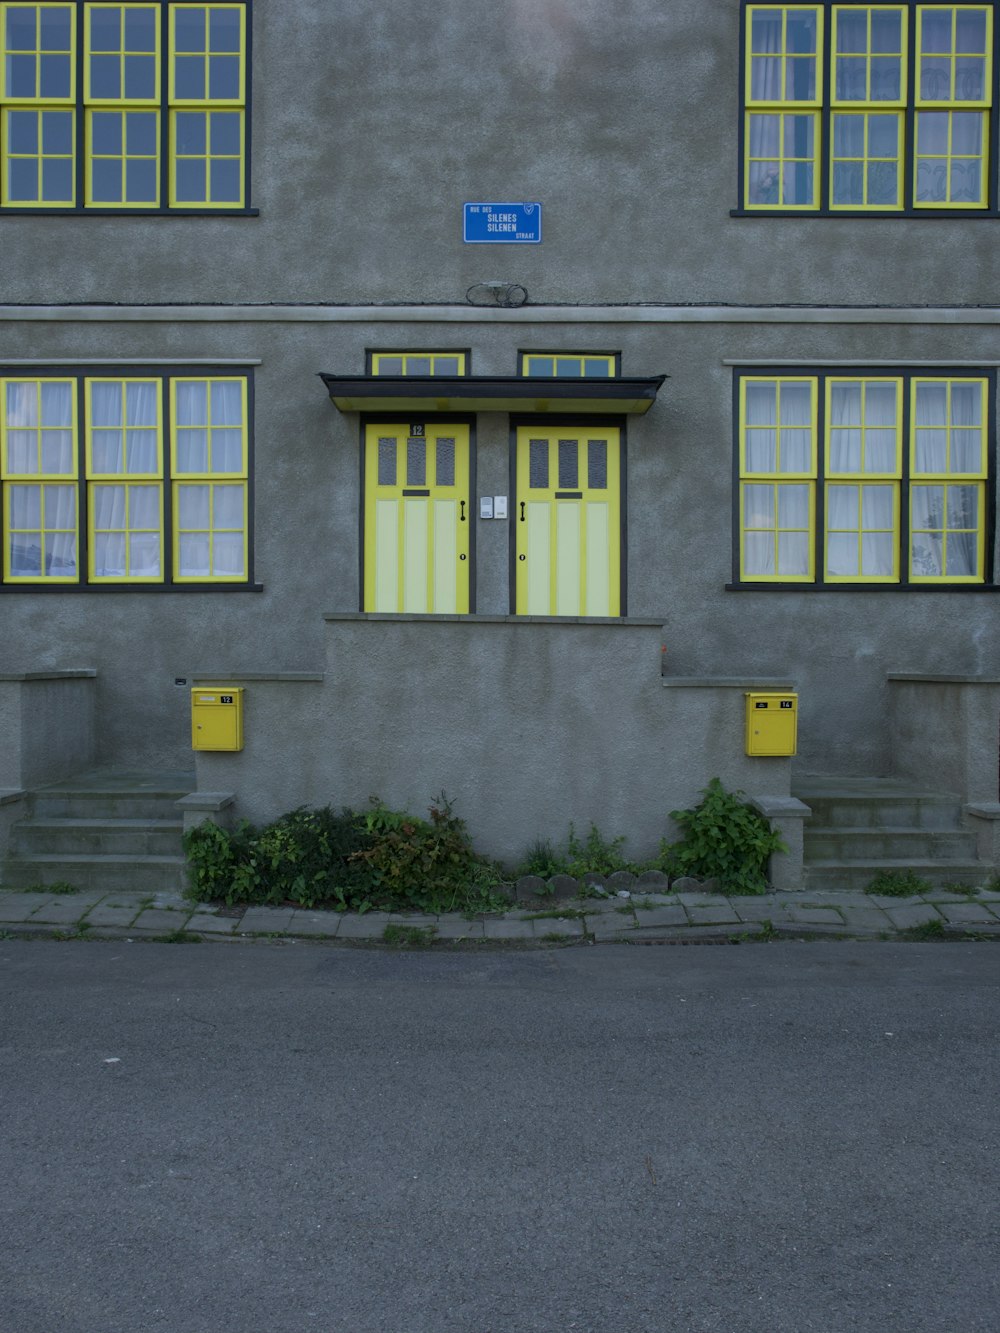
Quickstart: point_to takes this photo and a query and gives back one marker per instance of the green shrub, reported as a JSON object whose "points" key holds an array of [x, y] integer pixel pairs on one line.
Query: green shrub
{"points": [[425, 865], [724, 839], [305, 857], [319, 858]]}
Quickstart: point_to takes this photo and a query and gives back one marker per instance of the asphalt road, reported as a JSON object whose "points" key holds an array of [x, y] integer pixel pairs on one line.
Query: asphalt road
{"points": [[277, 1139]]}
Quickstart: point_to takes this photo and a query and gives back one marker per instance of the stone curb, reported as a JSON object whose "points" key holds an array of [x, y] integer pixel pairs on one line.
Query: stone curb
{"points": [[658, 918]]}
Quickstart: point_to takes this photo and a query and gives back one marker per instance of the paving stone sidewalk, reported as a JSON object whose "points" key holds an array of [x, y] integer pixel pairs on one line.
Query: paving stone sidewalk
{"points": [[637, 919]]}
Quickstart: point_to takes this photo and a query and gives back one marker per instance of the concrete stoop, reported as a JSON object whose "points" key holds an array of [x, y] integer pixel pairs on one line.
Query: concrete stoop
{"points": [[105, 831], [862, 827]]}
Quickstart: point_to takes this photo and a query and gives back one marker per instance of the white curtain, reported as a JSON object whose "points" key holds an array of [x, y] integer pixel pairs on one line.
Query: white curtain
{"points": [[190, 426], [761, 426], [141, 420]]}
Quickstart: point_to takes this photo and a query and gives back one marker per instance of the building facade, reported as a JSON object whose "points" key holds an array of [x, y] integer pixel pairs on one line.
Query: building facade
{"points": [[520, 519]]}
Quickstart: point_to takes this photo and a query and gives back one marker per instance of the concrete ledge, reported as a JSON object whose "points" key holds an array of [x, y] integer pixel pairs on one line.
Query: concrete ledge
{"points": [[786, 814], [293, 677], [198, 806], [639, 622], [983, 818], [726, 683], [11, 795], [84, 674]]}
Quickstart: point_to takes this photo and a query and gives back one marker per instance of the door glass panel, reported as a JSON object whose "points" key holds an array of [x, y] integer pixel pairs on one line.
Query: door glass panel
{"points": [[445, 462], [416, 461], [569, 472]]}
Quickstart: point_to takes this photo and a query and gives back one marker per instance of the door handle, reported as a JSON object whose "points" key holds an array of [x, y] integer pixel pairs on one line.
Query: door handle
{"points": [[461, 517], [522, 511]]}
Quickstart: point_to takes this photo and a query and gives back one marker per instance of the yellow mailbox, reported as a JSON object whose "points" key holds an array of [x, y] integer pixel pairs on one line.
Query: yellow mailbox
{"points": [[217, 718], [772, 723]]}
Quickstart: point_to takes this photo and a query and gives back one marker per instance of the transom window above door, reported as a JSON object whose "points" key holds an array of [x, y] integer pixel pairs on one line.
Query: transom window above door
{"points": [[418, 363]]}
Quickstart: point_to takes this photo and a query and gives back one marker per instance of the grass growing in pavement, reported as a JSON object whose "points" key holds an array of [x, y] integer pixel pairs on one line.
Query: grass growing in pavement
{"points": [[408, 937], [899, 884], [60, 886]]}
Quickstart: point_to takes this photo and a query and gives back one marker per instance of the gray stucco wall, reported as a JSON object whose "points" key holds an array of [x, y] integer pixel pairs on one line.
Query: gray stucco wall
{"points": [[526, 726], [837, 646], [372, 125], [47, 726]]}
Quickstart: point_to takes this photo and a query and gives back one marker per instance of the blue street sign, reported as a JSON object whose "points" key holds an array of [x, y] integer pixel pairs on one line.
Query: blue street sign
{"points": [[511, 223]]}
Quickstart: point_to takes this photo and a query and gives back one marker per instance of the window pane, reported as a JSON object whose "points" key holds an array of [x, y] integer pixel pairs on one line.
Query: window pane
{"points": [[142, 451], [227, 507], [227, 554], [25, 506], [761, 450], [224, 78], [386, 461], [538, 464], [144, 555], [109, 555], [758, 553], [189, 28], [793, 506], [966, 451], [877, 506], [192, 553], [927, 506], [192, 451], [189, 78], [416, 462], [57, 405], [878, 554], [57, 451], [140, 77], [758, 506], [444, 465], [962, 554], [932, 451], [926, 554], [569, 475], [841, 554], [793, 553], [193, 506], [224, 30], [227, 451], [22, 452], [796, 404], [963, 506], [796, 451], [192, 403], [225, 182], [880, 451]]}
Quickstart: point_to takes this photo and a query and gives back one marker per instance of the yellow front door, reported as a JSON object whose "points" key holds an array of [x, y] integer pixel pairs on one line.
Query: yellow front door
{"points": [[417, 518], [567, 518]]}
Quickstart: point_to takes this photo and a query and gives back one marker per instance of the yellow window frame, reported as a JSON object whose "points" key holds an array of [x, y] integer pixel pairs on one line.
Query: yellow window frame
{"points": [[68, 99], [155, 54], [45, 532], [863, 427], [127, 482], [945, 531], [783, 55], [953, 56], [783, 159], [213, 483], [859, 531], [867, 160], [778, 380], [210, 473], [207, 101], [122, 158], [949, 157], [207, 157], [775, 530], [948, 475], [156, 474], [20, 108], [377, 359], [9, 474], [608, 360], [868, 54]]}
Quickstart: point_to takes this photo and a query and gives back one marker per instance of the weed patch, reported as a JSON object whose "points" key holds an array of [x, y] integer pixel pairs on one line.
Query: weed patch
{"points": [[408, 937], [59, 887], [927, 930], [899, 884]]}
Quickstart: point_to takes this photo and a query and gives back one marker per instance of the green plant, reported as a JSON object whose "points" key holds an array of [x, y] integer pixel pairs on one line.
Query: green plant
{"points": [[423, 865], [927, 930], [898, 884], [567, 914], [593, 854], [724, 839], [60, 886], [178, 937], [542, 860]]}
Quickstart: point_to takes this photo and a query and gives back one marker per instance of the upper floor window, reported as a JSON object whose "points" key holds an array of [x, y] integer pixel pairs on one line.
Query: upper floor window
{"points": [[417, 363], [580, 365], [869, 108], [125, 478], [124, 107], [864, 477]]}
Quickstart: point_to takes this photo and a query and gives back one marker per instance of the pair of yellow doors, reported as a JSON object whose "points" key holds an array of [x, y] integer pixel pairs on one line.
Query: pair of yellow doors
{"points": [[566, 514]]}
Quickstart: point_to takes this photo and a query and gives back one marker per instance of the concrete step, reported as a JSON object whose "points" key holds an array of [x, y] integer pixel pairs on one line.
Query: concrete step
{"points": [[120, 837], [855, 875], [152, 874], [885, 841], [864, 810], [75, 803]]}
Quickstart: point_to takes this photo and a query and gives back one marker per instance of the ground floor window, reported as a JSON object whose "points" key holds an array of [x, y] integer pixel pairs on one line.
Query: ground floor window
{"points": [[125, 478], [867, 478], [567, 520]]}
